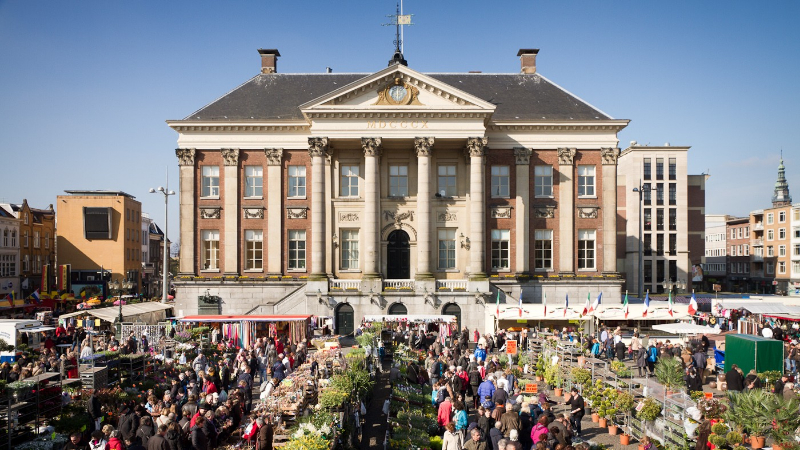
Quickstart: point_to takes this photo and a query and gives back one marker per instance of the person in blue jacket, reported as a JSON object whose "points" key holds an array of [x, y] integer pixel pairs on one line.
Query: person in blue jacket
{"points": [[480, 353], [486, 388], [652, 357]]}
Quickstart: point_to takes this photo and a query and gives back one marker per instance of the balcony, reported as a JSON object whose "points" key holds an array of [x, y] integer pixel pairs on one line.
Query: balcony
{"points": [[759, 226], [757, 242], [344, 285], [757, 258], [451, 285], [398, 285]]}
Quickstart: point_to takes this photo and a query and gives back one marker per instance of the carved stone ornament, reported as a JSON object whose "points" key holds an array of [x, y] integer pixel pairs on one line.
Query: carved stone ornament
{"points": [[274, 156], [609, 156], [297, 213], [501, 212], [230, 156], [523, 155], [432, 300], [480, 299], [423, 145], [210, 213], [398, 93], [317, 146], [348, 217], [378, 301], [566, 156], [371, 146], [476, 146], [588, 212], [544, 212], [253, 213], [398, 217], [446, 216], [185, 156]]}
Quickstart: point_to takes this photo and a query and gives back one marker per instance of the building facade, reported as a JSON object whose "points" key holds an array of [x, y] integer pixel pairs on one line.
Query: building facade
{"points": [[37, 234], [715, 266], [794, 288], [737, 233], [100, 231], [9, 252]]}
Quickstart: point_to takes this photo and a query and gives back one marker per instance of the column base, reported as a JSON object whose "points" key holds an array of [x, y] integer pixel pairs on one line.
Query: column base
{"points": [[371, 276], [478, 276], [424, 276]]}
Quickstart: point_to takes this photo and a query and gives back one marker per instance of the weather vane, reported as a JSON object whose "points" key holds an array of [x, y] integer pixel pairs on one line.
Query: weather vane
{"points": [[399, 19]]}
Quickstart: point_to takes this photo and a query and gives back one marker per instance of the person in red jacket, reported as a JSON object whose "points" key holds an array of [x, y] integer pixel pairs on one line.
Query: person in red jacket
{"points": [[114, 443]]}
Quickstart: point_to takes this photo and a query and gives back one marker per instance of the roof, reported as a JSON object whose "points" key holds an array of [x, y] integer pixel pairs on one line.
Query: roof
{"points": [[217, 318], [760, 307], [518, 97], [111, 313], [99, 192]]}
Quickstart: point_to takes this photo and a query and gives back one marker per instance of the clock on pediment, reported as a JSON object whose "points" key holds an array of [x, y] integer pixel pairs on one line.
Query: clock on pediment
{"points": [[398, 93]]}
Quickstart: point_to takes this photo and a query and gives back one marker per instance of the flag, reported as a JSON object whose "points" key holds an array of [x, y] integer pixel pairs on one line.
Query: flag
{"points": [[544, 303], [566, 305], [587, 305], [646, 303], [596, 303], [625, 305], [692, 305], [520, 302], [669, 299], [498, 303], [7, 301], [404, 19], [36, 297]]}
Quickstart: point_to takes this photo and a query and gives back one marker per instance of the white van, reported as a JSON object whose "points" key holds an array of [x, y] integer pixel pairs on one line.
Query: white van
{"points": [[11, 331]]}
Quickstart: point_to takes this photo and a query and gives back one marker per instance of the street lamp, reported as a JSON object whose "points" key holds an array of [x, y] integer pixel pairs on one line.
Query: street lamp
{"points": [[673, 286], [165, 282], [119, 287], [641, 189]]}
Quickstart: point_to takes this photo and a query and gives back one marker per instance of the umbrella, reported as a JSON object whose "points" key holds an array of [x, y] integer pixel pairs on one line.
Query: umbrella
{"points": [[170, 297], [685, 328]]}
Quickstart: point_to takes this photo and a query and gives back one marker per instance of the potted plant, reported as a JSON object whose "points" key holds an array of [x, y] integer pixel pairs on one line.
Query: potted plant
{"points": [[648, 410], [751, 411], [607, 409], [552, 376], [581, 377], [669, 373], [784, 421]]}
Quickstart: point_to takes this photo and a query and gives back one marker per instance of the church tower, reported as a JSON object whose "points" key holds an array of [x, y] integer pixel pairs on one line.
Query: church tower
{"points": [[781, 195]]}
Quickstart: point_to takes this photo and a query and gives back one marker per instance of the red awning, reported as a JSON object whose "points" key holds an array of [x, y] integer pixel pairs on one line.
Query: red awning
{"points": [[240, 318], [784, 317]]}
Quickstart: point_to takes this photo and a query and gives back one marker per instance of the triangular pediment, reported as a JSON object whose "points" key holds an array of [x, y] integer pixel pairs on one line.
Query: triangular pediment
{"points": [[397, 89]]}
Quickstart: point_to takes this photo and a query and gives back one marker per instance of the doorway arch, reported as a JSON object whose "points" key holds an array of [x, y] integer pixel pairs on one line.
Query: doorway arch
{"points": [[451, 309], [398, 256], [345, 322], [398, 309]]}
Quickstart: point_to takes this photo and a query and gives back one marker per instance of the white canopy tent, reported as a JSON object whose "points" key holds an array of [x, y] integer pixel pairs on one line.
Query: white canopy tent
{"points": [[760, 307], [414, 318], [685, 328], [658, 310], [147, 312]]}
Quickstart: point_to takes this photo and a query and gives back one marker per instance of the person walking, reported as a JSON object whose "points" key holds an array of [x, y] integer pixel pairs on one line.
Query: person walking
{"points": [[652, 358], [577, 409]]}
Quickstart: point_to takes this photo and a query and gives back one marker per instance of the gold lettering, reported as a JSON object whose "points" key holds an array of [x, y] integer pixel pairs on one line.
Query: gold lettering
{"points": [[392, 124], [383, 124], [424, 124], [371, 124], [395, 124], [403, 124]]}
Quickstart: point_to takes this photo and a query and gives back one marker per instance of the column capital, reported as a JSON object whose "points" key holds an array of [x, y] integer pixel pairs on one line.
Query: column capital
{"points": [[609, 156], [317, 146], [371, 146], [230, 156], [523, 155], [566, 156], [423, 145], [185, 156], [274, 156], [476, 146]]}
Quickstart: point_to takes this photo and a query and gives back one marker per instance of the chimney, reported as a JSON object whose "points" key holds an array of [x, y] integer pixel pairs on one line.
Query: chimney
{"points": [[269, 59], [527, 59]]}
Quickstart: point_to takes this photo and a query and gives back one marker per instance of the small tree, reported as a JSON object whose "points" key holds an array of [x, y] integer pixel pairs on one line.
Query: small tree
{"points": [[669, 373]]}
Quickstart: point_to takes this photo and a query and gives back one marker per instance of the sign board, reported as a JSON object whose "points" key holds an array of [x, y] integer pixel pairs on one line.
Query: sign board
{"points": [[531, 388], [511, 347], [717, 288], [522, 321], [708, 395]]}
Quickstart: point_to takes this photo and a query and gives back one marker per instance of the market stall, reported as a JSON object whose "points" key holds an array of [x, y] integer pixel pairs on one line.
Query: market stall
{"points": [[147, 312], [244, 330]]}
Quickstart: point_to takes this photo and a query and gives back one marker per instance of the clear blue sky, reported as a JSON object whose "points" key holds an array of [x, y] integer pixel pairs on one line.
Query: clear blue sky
{"points": [[85, 86]]}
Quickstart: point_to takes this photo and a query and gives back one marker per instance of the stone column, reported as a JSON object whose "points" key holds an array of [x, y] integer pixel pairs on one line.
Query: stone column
{"points": [[566, 210], [371, 221], [609, 209], [316, 149], [523, 209], [230, 210], [187, 210], [424, 146], [274, 209], [476, 147]]}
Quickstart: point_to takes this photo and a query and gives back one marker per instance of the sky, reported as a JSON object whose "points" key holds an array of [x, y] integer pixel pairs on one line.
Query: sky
{"points": [[86, 86]]}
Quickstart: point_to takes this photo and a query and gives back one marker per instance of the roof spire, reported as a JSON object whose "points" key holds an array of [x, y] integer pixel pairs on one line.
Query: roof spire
{"points": [[781, 196], [398, 21]]}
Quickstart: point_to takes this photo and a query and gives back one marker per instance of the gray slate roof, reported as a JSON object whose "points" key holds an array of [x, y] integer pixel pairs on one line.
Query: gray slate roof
{"points": [[518, 97]]}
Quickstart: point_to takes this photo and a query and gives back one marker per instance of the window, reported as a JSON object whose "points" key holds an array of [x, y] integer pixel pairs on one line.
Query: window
{"points": [[543, 249], [447, 249], [500, 181], [253, 250], [586, 181], [796, 266], [586, 255], [659, 168], [673, 244], [733, 268], [648, 271], [770, 268], [796, 250], [47, 240], [349, 180], [770, 235], [38, 267], [781, 250], [673, 194], [648, 219], [660, 245], [25, 238], [673, 219], [210, 249], [13, 238], [646, 190], [648, 245], [659, 193], [770, 251], [543, 180], [398, 181], [647, 168], [501, 241], [781, 233], [297, 181], [770, 218], [253, 181], [781, 267], [5, 238], [733, 250], [349, 250], [673, 169], [26, 263], [782, 216], [739, 232], [210, 181], [297, 249], [35, 239], [660, 219], [447, 181], [733, 233], [26, 218], [746, 249], [746, 232]]}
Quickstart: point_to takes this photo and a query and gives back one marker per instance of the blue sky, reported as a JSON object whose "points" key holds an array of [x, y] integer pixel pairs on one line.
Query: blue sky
{"points": [[85, 86]]}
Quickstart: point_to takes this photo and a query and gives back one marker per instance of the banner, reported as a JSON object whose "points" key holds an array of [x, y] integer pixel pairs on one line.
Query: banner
{"points": [[45, 286], [511, 347], [64, 278]]}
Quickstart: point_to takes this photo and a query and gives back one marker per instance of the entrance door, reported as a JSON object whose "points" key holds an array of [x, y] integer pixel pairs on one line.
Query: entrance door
{"points": [[451, 309], [398, 309], [398, 256], [344, 320]]}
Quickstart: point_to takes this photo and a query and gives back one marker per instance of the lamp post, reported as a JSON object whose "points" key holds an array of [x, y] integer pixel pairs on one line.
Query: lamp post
{"points": [[165, 270], [673, 286], [641, 189], [119, 287]]}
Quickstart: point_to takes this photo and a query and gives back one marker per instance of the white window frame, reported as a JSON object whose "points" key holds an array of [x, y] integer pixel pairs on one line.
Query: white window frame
{"points": [[543, 181], [781, 234], [501, 250], [210, 248], [770, 218], [296, 182], [253, 182], [746, 248], [5, 238], [398, 180], [447, 257], [781, 267], [543, 254], [587, 250], [253, 250], [795, 266], [586, 181], [27, 220], [733, 233], [13, 238], [349, 255], [297, 250], [770, 235], [26, 263], [36, 239], [447, 176], [770, 251], [781, 216], [781, 250], [501, 182], [349, 180], [209, 182]]}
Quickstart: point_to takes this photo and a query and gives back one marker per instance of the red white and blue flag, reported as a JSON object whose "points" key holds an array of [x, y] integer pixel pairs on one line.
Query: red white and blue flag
{"points": [[520, 302], [596, 303], [692, 305], [646, 303], [36, 296]]}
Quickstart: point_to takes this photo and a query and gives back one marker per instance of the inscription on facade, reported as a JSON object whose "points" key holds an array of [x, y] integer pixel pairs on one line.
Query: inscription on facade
{"points": [[348, 217], [414, 124]]}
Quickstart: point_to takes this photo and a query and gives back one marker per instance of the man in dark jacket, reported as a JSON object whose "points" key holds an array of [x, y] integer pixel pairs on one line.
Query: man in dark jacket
{"points": [[158, 442], [576, 409], [76, 442], [198, 436], [128, 423], [620, 350], [495, 435], [734, 379], [265, 433], [95, 411]]}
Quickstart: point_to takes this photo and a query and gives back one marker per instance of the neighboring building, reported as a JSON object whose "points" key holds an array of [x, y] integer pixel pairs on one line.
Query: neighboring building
{"points": [[673, 211], [794, 289], [9, 252], [402, 192], [156, 259], [37, 234], [738, 243], [100, 230], [715, 248], [148, 267]]}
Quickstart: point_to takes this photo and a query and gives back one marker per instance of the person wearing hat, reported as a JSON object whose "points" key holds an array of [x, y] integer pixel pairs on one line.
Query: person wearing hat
{"points": [[201, 412]]}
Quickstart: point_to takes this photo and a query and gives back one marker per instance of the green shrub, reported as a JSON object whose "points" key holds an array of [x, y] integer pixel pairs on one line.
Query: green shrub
{"points": [[650, 410], [733, 438]]}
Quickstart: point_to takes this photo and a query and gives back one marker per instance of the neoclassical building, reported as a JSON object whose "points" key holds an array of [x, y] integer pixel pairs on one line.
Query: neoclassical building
{"points": [[396, 192]]}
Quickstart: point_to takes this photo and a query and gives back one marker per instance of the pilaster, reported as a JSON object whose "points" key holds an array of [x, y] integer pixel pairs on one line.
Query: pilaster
{"points": [[566, 210], [372, 151], [274, 209], [522, 206], [609, 208], [476, 148], [424, 147], [317, 147], [230, 210], [187, 209]]}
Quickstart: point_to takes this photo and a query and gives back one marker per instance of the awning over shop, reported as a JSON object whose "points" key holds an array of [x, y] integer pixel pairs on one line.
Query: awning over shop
{"points": [[789, 317], [148, 312], [36, 329], [418, 318], [225, 319], [760, 307], [536, 312], [685, 328], [657, 311]]}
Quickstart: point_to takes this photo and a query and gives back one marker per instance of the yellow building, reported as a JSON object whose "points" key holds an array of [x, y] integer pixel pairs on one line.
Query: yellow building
{"points": [[100, 230]]}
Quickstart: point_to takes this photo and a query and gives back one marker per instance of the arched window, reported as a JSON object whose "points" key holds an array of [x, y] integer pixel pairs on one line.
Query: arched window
{"points": [[5, 237], [451, 309], [398, 309]]}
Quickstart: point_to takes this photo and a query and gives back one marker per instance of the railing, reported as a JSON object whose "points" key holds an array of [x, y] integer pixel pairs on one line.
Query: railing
{"points": [[758, 242], [451, 285], [394, 285], [759, 226], [757, 258], [344, 285]]}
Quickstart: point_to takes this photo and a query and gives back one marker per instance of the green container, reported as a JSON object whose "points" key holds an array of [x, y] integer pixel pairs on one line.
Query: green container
{"points": [[753, 352]]}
